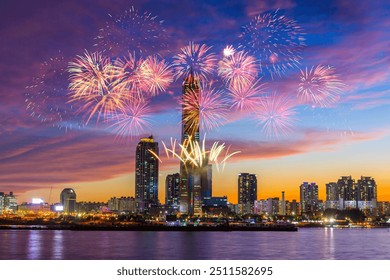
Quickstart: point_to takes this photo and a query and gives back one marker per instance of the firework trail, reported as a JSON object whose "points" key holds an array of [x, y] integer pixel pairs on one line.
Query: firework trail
{"points": [[246, 96], [132, 120], [320, 86], [205, 107], [130, 78], [95, 85], [276, 40], [228, 51], [194, 59], [238, 68], [156, 75], [276, 114], [46, 97], [195, 155], [132, 31]]}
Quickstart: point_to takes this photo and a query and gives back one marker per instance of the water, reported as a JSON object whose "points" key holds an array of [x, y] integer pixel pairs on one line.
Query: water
{"points": [[306, 244]]}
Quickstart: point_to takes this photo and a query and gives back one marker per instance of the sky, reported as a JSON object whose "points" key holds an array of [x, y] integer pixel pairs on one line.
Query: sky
{"points": [[47, 143]]}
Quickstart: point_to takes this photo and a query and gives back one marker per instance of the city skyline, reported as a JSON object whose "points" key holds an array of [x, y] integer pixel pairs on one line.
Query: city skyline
{"points": [[42, 153]]}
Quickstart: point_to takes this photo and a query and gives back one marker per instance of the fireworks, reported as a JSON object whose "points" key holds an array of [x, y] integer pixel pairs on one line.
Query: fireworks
{"points": [[238, 68], [132, 120], [276, 114], [276, 40], [205, 107], [129, 72], [94, 84], [320, 86], [228, 51], [195, 59], [195, 155], [46, 97], [246, 96], [156, 75], [132, 31]]}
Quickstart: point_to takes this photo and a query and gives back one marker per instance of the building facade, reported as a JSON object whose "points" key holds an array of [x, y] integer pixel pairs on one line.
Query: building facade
{"points": [[190, 201], [247, 192], [172, 189], [68, 200], [146, 174], [309, 197]]}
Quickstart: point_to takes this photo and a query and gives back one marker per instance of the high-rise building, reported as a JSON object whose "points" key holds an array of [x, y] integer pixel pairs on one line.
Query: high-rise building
{"points": [[247, 192], [346, 189], [172, 189], [190, 176], [68, 200], [282, 209], [333, 196], [367, 190], [8, 202], [309, 197], [206, 181], [146, 174]]}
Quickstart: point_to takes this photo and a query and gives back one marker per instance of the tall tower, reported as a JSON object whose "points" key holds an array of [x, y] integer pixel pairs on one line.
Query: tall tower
{"points": [[146, 174], [309, 197], [172, 188], [247, 192], [190, 177]]}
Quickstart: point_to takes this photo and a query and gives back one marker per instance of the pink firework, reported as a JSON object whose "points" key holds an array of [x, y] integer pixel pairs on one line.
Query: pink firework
{"points": [[156, 75], [246, 96], [133, 119], [129, 72], [196, 59], [206, 107], [238, 68], [320, 86], [276, 114]]}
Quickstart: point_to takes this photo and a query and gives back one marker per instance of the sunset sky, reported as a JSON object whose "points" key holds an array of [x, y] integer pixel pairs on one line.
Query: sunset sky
{"points": [[40, 155]]}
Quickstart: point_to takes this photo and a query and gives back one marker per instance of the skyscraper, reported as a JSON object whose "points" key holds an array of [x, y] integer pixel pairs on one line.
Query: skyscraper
{"points": [[146, 174], [309, 197], [190, 177], [172, 189], [367, 190], [206, 181], [333, 196], [68, 200], [247, 192], [346, 189]]}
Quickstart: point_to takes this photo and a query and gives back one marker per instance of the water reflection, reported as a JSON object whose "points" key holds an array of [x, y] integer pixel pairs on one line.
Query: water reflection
{"points": [[34, 245], [319, 243]]}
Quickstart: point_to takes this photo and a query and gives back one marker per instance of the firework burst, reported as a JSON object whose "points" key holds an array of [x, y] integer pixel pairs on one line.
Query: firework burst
{"points": [[276, 114], [320, 86], [194, 59], [228, 51], [130, 78], [205, 107], [132, 31], [156, 75], [95, 85], [132, 120], [195, 155], [238, 68], [246, 96], [46, 97], [276, 40]]}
